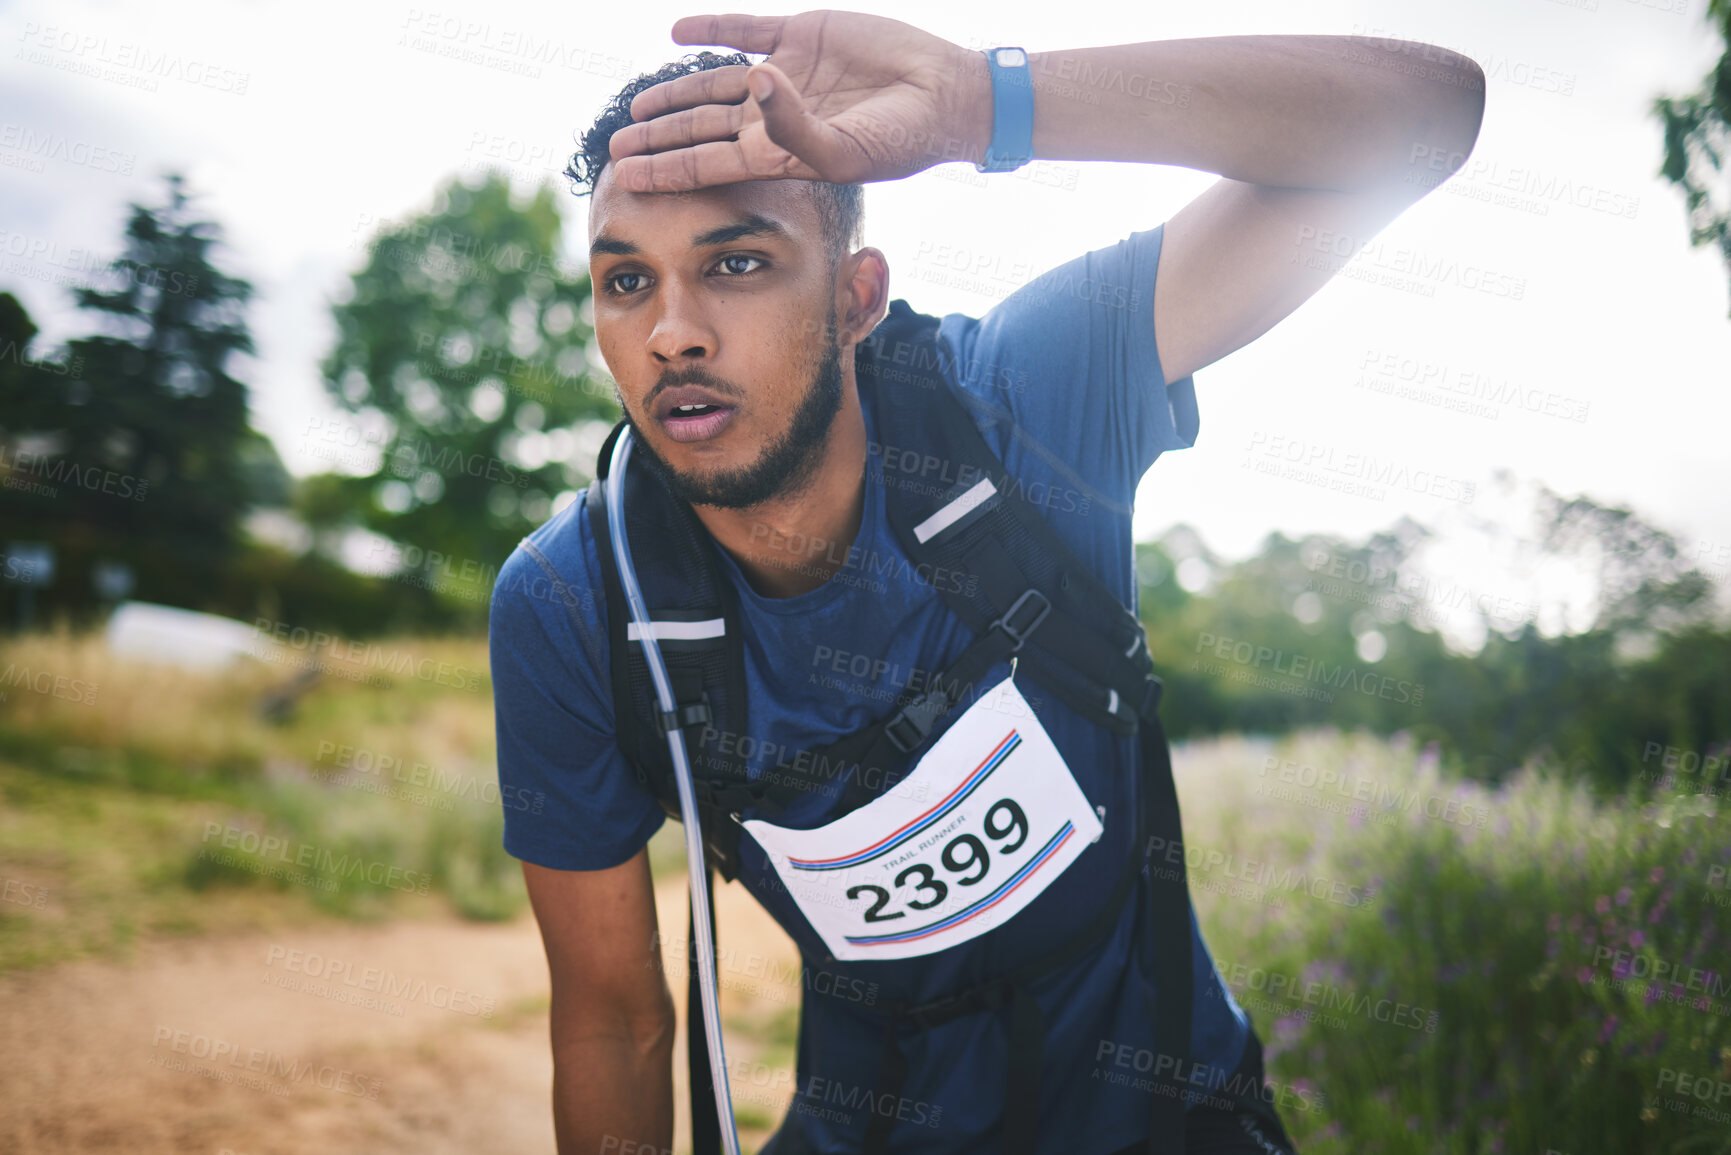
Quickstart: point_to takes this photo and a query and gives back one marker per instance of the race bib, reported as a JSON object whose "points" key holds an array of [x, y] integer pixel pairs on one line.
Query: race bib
{"points": [[986, 820]]}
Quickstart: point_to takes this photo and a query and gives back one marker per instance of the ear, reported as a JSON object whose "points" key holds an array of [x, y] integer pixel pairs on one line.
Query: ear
{"points": [[862, 294]]}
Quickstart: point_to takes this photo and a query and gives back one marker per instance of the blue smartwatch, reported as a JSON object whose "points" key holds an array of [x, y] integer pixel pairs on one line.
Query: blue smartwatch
{"points": [[1012, 111]]}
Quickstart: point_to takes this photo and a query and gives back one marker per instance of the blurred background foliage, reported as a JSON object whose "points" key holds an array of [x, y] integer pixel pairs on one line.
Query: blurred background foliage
{"points": [[471, 399], [470, 402]]}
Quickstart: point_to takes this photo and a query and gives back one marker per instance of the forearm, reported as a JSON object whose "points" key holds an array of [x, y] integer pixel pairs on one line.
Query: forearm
{"points": [[1319, 112], [613, 1091]]}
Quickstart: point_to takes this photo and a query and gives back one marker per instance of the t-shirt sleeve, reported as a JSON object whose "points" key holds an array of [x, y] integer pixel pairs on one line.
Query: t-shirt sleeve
{"points": [[1071, 356], [571, 800]]}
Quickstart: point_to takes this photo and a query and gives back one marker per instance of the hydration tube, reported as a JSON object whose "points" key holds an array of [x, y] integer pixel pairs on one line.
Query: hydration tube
{"points": [[687, 797]]}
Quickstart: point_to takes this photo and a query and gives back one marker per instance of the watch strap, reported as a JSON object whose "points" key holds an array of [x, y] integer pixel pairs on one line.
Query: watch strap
{"points": [[1012, 110]]}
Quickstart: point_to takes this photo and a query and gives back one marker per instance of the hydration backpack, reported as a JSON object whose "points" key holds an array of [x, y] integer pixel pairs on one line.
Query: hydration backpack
{"points": [[1032, 598]]}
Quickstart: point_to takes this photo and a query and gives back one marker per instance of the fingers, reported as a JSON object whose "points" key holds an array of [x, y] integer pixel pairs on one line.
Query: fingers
{"points": [[702, 165], [761, 34], [679, 129], [724, 85], [789, 125]]}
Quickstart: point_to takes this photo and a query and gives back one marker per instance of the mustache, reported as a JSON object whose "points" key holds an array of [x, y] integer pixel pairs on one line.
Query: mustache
{"points": [[694, 375]]}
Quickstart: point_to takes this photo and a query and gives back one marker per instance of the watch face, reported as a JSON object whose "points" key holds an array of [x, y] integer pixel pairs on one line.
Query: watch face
{"points": [[1011, 58]]}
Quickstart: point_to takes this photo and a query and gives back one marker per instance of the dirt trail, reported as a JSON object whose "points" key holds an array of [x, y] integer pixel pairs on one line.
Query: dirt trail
{"points": [[237, 1045]]}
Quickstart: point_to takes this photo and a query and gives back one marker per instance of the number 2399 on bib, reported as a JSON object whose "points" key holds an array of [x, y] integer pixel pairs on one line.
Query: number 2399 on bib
{"points": [[919, 870]]}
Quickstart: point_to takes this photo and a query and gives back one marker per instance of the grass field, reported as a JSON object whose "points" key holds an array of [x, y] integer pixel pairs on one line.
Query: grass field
{"points": [[1434, 967]]}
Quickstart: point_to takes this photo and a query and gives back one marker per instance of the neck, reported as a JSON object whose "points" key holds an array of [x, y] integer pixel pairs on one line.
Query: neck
{"points": [[794, 543]]}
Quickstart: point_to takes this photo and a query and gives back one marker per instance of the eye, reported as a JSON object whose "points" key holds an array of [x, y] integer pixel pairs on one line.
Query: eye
{"points": [[608, 284], [738, 257]]}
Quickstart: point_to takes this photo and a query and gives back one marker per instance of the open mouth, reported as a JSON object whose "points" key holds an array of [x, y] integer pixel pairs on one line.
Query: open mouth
{"points": [[696, 422]]}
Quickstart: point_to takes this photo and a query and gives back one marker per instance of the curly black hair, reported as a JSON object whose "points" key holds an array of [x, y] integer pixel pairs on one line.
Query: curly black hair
{"points": [[840, 207]]}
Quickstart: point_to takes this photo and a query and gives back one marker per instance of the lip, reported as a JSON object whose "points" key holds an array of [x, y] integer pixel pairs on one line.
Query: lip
{"points": [[700, 428]]}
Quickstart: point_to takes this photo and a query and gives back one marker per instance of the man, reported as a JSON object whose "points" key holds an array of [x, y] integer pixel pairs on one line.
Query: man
{"points": [[729, 301]]}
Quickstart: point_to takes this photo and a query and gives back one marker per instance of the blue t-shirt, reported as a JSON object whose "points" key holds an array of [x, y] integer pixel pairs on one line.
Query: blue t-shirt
{"points": [[1064, 382]]}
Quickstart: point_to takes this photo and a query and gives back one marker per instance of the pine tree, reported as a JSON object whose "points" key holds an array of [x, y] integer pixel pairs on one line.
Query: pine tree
{"points": [[139, 451]]}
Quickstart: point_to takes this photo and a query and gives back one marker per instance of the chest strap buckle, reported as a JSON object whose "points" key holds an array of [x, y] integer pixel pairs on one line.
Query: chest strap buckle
{"points": [[908, 729], [1021, 619]]}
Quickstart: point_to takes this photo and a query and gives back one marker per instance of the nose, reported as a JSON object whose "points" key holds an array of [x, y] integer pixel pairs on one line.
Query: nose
{"points": [[682, 330]]}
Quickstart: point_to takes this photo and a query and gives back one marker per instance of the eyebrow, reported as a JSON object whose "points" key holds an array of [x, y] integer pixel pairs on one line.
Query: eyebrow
{"points": [[750, 225]]}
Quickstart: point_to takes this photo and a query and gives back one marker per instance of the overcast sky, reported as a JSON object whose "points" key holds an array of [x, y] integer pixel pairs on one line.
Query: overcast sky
{"points": [[1548, 316]]}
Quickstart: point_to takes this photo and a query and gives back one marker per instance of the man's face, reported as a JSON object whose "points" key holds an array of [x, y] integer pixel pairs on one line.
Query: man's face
{"points": [[726, 291]]}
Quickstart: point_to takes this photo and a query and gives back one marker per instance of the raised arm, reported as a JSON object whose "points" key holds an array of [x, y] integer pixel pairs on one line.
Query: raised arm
{"points": [[1320, 140]]}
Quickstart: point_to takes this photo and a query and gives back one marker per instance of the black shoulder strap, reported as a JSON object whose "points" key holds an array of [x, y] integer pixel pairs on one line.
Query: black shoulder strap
{"points": [[952, 506]]}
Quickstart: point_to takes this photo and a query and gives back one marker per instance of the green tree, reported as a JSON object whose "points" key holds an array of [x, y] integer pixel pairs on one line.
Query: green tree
{"points": [[1697, 138], [461, 351], [136, 447]]}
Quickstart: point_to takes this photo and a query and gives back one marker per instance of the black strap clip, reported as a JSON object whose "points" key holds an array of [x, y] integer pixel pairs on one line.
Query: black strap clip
{"points": [[1015, 624], [685, 714], [908, 727]]}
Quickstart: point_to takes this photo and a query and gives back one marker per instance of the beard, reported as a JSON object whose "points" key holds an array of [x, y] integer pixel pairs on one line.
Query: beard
{"points": [[784, 467]]}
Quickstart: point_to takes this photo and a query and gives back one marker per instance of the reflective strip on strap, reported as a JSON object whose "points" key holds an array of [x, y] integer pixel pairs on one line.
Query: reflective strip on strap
{"points": [[678, 631], [954, 510]]}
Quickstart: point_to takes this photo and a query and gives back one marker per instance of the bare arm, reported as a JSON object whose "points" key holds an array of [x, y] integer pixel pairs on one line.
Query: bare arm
{"points": [[612, 1014], [1321, 141]]}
